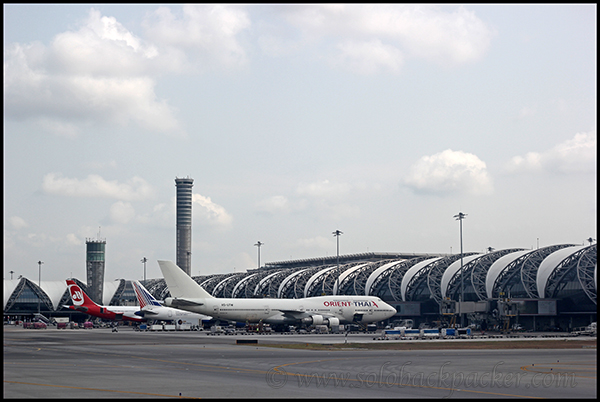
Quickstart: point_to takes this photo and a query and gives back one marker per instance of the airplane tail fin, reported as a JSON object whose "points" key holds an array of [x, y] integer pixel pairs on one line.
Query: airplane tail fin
{"points": [[144, 297], [79, 297], [180, 284]]}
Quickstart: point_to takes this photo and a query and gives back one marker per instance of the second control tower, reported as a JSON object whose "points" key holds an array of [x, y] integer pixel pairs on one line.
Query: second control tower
{"points": [[94, 261], [184, 223]]}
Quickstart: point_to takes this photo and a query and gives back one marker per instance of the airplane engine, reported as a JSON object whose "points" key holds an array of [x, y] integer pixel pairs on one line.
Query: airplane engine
{"points": [[333, 321], [168, 301], [313, 320]]}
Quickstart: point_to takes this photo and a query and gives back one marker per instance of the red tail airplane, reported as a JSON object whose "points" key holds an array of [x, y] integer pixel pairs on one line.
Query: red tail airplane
{"points": [[81, 302]]}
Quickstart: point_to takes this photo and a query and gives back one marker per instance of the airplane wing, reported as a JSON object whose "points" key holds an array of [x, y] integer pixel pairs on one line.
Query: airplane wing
{"points": [[184, 302], [294, 314], [78, 308], [149, 312]]}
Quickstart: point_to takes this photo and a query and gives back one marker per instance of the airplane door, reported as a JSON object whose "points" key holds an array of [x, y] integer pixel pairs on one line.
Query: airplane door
{"points": [[216, 309], [267, 311], [347, 311], [170, 313]]}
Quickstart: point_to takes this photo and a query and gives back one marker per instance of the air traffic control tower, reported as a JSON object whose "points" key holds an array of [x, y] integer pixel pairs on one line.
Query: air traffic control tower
{"points": [[184, 223], [94, 261]]}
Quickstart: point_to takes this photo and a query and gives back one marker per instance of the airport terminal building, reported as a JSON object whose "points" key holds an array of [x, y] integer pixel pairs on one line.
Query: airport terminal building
{"points": [[553, 287]]}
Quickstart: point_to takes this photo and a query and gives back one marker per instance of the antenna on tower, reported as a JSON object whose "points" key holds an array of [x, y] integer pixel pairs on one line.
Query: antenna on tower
{"points": [[99, 227]]}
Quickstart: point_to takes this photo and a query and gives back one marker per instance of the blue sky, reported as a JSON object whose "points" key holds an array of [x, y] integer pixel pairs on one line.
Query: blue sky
{"points": [[382, 121]]}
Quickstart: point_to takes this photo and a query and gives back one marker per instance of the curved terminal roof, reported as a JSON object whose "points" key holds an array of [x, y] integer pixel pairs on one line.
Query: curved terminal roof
{"points": [[549, 264], [110, 288], [453, 269], [288, 279], [556, 271], [225, 287], [264, 282], [345, 274], [375, 274], [316, 276], [408, 276], [9, 287], [242, 283], [497, 268], [55, 291]]}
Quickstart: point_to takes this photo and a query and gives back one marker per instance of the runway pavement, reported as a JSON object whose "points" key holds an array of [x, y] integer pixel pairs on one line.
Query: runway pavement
{"points": [[98, 363]]}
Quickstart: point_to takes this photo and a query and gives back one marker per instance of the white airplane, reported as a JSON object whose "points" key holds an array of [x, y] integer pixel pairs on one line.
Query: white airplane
{"points": [[330, 310], [151, 309]]}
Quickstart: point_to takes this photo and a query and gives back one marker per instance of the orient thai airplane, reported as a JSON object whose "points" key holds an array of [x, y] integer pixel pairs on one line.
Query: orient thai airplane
{"points": [[151, 309], [82, 302], [330, 310]]}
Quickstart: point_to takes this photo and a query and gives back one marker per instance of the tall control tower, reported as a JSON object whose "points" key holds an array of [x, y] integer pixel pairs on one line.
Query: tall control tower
{"points": [[184, 223], [94, 261]]}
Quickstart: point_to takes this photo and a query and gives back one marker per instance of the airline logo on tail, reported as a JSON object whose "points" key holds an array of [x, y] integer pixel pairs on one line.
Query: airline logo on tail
{"points": [[76, 293], [145, 298]]}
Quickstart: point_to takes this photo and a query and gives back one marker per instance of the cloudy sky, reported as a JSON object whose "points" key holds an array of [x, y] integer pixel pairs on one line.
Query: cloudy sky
{"points": [[382, 121]]}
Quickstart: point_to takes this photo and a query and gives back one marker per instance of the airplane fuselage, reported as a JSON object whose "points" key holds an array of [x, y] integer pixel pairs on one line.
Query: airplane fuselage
{"points": [[313, 310], [168, 313], [113, 313]]}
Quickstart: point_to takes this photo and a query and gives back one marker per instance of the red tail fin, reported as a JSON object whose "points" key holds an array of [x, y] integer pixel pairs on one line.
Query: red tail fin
{"points": [[78, 295]]}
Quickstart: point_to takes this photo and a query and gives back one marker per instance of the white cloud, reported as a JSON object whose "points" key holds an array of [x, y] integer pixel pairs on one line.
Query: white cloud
{"points": [[416, 31], [318, 243], [97, 74], [427, 32], [41, 240], [276, 203], [281, 204], [323, 189], [204, 211], [527, 111], [210, 212], [96, 186], [73, 240], [203, 35], [101, 47], [162, 215], [369, 57], [17, 222], [340, 211], [577, 155], [60, 128], [449, 172], [121, 212], [322, 198]]}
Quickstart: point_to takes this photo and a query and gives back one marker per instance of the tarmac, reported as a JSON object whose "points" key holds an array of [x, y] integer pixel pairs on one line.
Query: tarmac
{"points": [[99, 363]]}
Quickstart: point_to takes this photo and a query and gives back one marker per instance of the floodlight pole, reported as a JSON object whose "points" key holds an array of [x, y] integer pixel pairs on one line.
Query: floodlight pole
{"points": [[39, 281], [337, 234], [460, 218], [258, 244]]}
